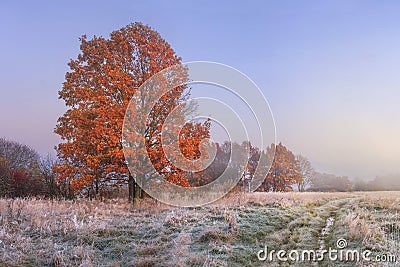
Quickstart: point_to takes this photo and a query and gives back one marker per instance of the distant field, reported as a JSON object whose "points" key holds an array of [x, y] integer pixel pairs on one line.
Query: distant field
{"points": [[227, 233]]}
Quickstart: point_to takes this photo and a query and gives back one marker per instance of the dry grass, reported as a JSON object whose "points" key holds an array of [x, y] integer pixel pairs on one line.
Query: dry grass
{"points": [[228, 232], [363, 226]]}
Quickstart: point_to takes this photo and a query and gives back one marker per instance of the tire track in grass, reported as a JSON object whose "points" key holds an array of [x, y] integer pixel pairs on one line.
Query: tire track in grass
{"points": [[327, 238], [278, 228]]}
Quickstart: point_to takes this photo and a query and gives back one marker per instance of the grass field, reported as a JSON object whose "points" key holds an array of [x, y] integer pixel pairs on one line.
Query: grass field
{"points": [[227, 233]]}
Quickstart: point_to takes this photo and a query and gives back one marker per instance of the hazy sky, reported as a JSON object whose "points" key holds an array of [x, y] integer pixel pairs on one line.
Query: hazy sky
{"points": [[329, 69]]}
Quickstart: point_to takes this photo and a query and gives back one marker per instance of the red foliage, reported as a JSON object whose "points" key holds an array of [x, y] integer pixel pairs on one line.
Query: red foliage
{"points": [[23, 183]]}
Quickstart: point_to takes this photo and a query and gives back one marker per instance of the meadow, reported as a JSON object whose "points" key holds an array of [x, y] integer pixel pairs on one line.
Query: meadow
{"points": [[229, 232]]}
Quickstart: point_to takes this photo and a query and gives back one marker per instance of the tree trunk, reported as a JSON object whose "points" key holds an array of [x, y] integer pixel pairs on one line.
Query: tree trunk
{"points": [[97, 186], [140, 191], [131, 187]]}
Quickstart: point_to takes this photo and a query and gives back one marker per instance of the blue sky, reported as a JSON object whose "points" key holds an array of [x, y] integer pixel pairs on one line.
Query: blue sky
{"points": [[329, 69]]}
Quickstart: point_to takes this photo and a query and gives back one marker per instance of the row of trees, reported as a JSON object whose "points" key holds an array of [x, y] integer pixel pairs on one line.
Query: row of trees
{"points": [[24, 173], [288, 171]]}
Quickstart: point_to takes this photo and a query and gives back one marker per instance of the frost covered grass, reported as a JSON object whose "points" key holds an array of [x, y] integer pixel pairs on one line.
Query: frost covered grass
{"points": [[230, 232]]}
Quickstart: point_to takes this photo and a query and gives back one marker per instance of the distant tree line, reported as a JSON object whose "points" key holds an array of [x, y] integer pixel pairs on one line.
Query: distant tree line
{"points": [[379, 183], [24, 173], [283, 174], [288, 171], [323, 182]]}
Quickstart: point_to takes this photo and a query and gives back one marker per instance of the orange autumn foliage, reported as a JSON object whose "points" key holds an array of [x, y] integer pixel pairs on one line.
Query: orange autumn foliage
{"points": [[97, 91], [284, 171]]}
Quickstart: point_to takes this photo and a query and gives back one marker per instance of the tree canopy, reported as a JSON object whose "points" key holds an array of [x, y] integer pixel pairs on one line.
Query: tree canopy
{"points": [[97, 90], [284, 171]]}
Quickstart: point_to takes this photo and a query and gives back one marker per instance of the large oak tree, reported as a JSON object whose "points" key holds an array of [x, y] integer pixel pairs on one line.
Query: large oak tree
{"points": [[97, 91]]}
